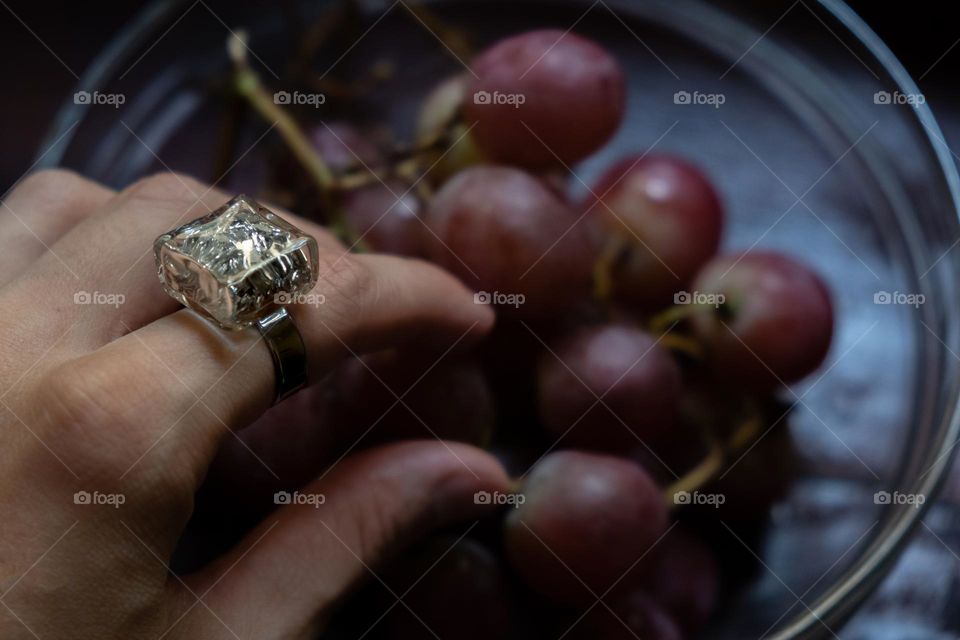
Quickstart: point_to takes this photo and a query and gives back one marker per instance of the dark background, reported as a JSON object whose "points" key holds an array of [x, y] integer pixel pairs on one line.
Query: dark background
{"points": [[43, 46]]}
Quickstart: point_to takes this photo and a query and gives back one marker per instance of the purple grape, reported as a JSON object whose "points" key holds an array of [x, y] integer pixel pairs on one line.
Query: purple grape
{"points": [[448, 400], [386, 218], [637, 379], [668, 219], [775, 324], [344, 147], [505, 234], [684, 579], [567, 89], [584, 520], [454, 588], [631, 616]]}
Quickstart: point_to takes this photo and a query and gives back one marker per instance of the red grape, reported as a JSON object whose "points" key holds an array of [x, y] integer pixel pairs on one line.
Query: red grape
{"points": [[455, 589], [684, 579], [448, 400], [504, 233], [775, 323], [494, 148], [386, 218], [667, 218], [631, 616], [343, 147], [567, 89], [637, 379], [585, 519]]}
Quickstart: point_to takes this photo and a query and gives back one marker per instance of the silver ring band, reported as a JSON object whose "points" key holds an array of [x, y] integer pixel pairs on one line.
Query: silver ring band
{"points": [[287, 350]]}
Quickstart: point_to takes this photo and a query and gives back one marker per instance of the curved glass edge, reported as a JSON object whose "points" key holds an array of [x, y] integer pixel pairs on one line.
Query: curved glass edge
{"points": [[854, 586], [130, 37]]}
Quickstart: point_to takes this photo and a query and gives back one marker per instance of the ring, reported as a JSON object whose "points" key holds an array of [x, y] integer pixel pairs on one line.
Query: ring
{"points": [[288, 352], [238, 266]]}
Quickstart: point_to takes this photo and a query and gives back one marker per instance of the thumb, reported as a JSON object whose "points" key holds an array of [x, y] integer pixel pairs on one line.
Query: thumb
{"points": [[284, 578]]}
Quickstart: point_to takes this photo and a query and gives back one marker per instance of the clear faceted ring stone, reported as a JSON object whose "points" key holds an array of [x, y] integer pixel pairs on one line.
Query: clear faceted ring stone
{"points": [[237, 263]]}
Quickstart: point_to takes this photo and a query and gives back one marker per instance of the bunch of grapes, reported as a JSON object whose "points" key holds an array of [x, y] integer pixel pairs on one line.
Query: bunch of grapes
{"points": [[631, 383]]}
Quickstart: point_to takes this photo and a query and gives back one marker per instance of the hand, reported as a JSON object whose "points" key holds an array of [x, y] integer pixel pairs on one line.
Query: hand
{"points": [[114, 400]]}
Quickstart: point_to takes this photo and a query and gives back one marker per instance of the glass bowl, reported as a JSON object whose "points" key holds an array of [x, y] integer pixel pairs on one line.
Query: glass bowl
{"points": [[822, 146]]}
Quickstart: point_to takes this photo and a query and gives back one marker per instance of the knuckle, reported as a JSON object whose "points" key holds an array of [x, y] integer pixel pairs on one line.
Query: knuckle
{"points": [[59, 191], [49, 181], [93, 416], [71, 397], [83, 410], [166, 186]]}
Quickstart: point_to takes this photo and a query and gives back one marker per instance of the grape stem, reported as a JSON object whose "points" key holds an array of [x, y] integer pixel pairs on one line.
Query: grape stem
{"points": [[356, 179], [247, 84], [362, 86], [603, 269], [408, 163], [670, 316], [683, 344], [714, 461], [706, 470]]}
